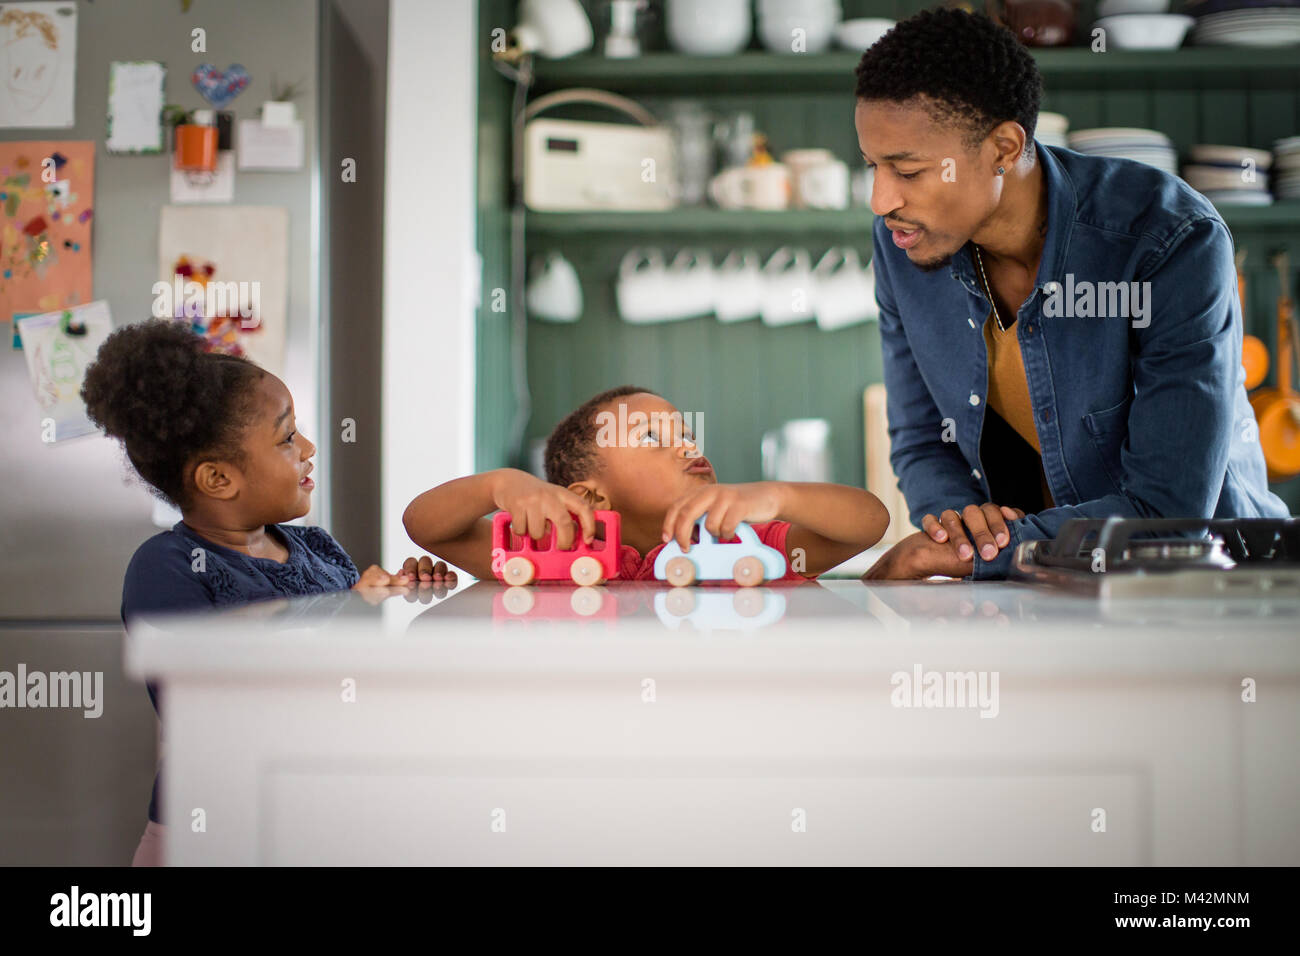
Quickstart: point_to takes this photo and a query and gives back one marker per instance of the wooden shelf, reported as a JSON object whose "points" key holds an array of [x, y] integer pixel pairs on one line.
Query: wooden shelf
{"points": [[853, 222], [759, 72], [699, 220]]}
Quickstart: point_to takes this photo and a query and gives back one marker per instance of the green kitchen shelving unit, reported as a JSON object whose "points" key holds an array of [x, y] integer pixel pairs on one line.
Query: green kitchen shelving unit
{"points": [[746, 378]]}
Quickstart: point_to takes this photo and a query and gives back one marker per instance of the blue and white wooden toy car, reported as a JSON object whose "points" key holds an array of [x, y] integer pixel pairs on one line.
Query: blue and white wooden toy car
{"points": [[748, 561], [746, 609]]}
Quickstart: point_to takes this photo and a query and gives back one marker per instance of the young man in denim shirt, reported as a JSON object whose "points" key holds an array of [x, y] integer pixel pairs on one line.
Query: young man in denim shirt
{"points": [[1061, 333]]}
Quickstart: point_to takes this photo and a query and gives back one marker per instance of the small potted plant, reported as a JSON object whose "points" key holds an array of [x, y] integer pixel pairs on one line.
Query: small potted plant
{"points": [[194, 137], [279, 110]]}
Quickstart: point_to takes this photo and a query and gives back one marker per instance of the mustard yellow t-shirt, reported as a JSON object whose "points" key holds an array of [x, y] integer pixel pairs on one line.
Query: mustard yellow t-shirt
{"points": [[1008, 392]]}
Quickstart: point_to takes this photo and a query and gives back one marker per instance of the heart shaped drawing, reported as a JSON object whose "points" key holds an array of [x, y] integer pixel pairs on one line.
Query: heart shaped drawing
{"points": [[219, 87]]}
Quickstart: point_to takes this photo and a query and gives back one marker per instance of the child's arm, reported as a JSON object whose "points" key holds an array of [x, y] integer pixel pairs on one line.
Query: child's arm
{"points": [[450, 520], [829, 523]]}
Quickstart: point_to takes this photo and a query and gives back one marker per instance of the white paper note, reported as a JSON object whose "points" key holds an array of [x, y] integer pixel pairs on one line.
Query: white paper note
{"points": [[135, 103], [270, 147]]}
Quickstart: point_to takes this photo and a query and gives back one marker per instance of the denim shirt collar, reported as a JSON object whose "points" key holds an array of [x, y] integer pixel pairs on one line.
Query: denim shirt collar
{"points": [[1062, 203]]}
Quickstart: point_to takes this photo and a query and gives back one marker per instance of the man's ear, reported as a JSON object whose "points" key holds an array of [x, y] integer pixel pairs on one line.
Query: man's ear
{"points": [[217, 479], [591, 492]]}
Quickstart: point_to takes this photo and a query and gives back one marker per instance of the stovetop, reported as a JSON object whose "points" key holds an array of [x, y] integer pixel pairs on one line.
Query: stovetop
{"points": [[1144, 557]]}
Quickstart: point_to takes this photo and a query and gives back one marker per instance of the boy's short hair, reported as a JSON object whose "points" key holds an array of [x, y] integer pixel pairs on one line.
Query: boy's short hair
{"points": [[571, 448]]}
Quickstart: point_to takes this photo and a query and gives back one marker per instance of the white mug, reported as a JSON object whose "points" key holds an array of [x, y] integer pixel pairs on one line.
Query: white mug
{"points": [[788, 288], [554, 292], [738, 287], [688, 288], [799, 160], [825, 185], [752, 187], [649, 291], [846, 293], [638, 289]]}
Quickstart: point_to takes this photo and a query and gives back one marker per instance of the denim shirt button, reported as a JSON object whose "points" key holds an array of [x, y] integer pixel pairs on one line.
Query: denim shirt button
{"points": [[974, 399], [1052, 288], [975, 473]]}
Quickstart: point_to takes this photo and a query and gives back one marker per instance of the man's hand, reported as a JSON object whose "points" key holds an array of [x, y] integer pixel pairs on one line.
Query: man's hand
{"points": [[986, 525], [917, 557], [727, 505]]}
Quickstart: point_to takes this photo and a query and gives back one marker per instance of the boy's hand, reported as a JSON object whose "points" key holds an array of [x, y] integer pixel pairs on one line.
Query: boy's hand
{"points": [[426, 572], [916, 558], [727, 506], [533, 504]]}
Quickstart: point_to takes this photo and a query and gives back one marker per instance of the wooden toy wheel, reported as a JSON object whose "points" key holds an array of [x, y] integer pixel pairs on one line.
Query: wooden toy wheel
{"points": [[518, 600], [747, 603], [680, 572], [680, 602], [747, 572], [586, 601], [586, 571], [518, 571]]}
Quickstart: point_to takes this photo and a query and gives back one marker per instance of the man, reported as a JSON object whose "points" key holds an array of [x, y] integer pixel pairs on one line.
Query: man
{"points": [[1061, 333]]}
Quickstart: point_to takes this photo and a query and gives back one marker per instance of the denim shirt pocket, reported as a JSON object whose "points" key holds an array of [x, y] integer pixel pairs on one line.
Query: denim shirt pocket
{"points": [[1108, 430]]}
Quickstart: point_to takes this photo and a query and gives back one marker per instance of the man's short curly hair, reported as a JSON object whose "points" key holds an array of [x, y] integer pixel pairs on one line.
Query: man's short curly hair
{"points": [[169, 401], [571, 448], [972, 72]]}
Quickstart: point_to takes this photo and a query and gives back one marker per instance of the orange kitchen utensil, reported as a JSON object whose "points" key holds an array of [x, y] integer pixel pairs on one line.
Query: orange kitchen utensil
{"points": [[1278, 409], [1254, 353]]}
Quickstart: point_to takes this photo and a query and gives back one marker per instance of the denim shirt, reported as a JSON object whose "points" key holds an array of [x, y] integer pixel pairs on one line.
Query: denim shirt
{"points": [[1139, 414]]}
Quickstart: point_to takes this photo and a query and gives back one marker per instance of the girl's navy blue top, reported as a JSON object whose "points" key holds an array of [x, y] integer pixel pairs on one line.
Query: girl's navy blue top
{"points": [[178, 570]]}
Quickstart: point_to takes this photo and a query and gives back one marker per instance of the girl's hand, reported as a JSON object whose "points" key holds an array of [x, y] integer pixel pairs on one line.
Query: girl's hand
{"points": [[376, 577], [727, 506], [534, 504]]}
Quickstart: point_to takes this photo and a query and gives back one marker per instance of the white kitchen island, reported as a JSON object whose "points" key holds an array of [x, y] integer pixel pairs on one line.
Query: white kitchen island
{"points": [[831, 723]]}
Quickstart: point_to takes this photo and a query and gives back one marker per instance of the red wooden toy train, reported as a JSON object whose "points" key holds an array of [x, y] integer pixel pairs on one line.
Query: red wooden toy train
{"points": [[518, 560]]}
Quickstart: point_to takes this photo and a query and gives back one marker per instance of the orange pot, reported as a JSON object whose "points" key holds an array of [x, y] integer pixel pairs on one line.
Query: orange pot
{"points": [[196, 148]]}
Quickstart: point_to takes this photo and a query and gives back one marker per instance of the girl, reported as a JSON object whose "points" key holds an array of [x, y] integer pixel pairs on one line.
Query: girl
{"points": [[215, 435]]}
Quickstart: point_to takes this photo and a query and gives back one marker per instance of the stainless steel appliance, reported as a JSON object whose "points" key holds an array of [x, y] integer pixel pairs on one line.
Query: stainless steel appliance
{"points": [[1168, 557]]}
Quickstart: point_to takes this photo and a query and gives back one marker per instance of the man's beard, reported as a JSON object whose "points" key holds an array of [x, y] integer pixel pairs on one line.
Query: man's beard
{"points": [[933, 265]]}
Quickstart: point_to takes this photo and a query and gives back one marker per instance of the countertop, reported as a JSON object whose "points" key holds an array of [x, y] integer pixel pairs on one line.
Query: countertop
{"points": [[828, 623]]}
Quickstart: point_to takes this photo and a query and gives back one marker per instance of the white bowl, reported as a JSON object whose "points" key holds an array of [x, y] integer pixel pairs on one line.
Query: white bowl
{"points": [[782, 7], [777, 32], [1146, 31], [707, 29], [861, 33], [1118, 8]]}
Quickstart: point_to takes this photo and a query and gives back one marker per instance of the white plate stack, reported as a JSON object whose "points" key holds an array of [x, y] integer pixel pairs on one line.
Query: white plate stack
{"points": [[1230, 175], [1148, 146], [1256, 26], [1051, 129], [1286, 168]]}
